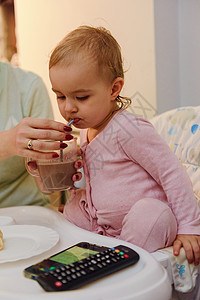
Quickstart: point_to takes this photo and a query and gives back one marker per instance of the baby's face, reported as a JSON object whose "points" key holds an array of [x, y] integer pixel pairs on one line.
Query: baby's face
{"points": [[82, 93]]}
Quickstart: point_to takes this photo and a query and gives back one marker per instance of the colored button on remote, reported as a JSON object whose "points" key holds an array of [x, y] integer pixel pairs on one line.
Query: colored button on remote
{"points": [[58, 283]]}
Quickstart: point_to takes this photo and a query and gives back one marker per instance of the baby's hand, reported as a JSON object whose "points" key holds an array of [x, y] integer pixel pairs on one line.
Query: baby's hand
{"points": [[78, 175], [191, 245], [78, 165]]}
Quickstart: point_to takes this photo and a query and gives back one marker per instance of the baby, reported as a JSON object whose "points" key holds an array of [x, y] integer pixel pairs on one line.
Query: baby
{"points": [[136, 189]]}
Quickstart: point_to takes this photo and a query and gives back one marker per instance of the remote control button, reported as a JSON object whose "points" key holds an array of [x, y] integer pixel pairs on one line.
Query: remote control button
{"points": [[64, 281], [73, 270], [58, 283], [81, 266], [121, 253], [108, 261], [57, 270], [114, 259], [93, 261], [126, 256], [98, 259], [117, 251], [67, 267], [68, 278]]}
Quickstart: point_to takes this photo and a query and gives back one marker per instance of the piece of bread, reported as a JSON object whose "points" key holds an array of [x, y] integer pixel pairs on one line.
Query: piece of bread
{"points": [[1, 240]]}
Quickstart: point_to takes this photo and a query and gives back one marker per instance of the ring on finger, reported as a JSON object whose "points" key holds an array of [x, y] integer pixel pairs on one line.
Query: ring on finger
{"points": [[30, 145]]}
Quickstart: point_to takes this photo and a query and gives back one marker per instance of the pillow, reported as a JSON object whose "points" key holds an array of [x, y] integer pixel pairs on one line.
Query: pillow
{"points": [[180, 128]]}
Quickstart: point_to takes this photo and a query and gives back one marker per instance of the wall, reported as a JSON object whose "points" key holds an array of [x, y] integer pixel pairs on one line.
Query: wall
{"points": [[189, 45], [177, 51], [42, 23]]}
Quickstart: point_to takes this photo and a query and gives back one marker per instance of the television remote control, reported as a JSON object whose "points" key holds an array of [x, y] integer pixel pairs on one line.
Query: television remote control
{"points": [[75, 275]]}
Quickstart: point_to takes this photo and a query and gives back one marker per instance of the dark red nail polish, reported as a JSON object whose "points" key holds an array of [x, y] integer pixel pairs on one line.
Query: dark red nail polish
{"points": [[32, 165], [79, 164], [67, 128], [77, 177], [55, 155], [63, 145], [68, 137]]}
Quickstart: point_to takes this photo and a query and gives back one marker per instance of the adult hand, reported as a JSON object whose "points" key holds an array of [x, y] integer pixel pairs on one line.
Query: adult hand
{"points": [[191, 245], [31, 136]]}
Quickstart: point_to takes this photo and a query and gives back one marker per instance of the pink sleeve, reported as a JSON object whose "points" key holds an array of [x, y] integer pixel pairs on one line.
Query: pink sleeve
{"points": [[149, 150]]}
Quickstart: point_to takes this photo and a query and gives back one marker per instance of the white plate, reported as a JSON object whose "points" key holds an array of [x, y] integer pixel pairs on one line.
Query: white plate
{"points": [[23, 241], [6, 220]]}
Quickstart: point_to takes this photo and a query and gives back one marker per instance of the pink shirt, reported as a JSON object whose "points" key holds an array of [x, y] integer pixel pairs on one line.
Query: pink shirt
{"points": [[129, 161]]}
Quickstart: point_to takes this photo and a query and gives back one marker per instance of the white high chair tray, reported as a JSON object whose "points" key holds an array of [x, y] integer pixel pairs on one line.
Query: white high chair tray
{"points": [[145, 280]]}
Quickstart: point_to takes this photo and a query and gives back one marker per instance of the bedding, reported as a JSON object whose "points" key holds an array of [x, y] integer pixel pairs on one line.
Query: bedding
{"points": [[180, 128]]}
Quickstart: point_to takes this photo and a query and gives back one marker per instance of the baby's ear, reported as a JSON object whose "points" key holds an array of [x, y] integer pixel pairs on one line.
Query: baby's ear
{"points": [[117, 86]]}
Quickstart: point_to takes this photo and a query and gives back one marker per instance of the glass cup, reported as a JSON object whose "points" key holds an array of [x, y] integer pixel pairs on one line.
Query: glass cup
{"points": [[56, 173]]}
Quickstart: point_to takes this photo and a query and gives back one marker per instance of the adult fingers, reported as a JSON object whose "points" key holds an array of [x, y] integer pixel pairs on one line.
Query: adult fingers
{"points": [[45, 124], [40, 145], [47, 134], [35, 155]]}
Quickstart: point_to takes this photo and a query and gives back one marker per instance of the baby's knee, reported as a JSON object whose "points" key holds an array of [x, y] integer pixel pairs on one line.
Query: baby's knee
{"points": [[149, 224], [150, 205], [151, 211]]}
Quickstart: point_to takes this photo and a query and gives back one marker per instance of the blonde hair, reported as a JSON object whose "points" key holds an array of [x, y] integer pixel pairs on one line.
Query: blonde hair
{"points": [[94, 43]]}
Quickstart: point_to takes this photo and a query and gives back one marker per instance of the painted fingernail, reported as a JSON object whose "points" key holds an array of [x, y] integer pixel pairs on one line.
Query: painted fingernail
{"points": [[55, 155], [68, 137], [63, 145], [32, 165], [79, 164], [67, 128]]}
